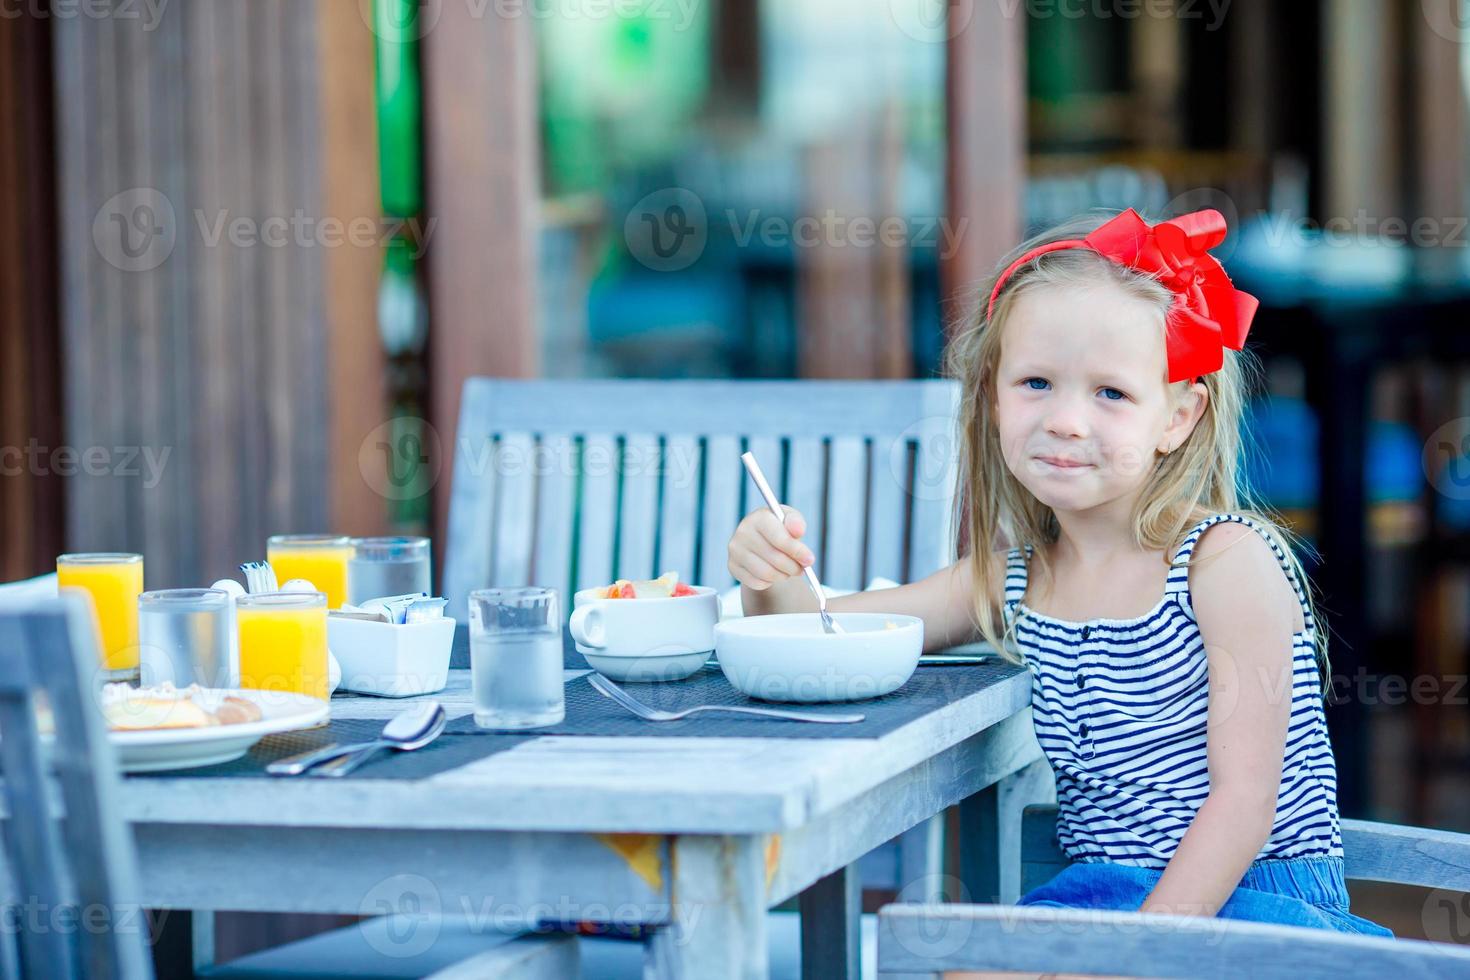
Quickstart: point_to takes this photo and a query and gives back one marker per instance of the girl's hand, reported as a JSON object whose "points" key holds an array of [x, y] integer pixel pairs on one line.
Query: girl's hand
{"points": [[764, 551]]}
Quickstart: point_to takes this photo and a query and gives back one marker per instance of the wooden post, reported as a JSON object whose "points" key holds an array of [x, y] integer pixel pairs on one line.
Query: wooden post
{"points": [[356, 363], [30, 360], [481, 189], [1363, 113], [985, 169], [1438, 149]]}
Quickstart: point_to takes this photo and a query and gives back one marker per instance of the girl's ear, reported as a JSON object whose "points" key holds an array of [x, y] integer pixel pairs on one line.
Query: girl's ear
{"points": [[1189, 408]]}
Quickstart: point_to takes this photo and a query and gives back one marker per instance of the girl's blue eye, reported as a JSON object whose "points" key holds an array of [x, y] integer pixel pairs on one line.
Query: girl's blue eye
{"points": [[1113, 394], [1037, 384]]}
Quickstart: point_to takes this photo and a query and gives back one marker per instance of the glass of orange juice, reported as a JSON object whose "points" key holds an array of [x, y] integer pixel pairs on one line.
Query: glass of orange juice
{"points": [[283, 642], [114, 580], [321, 559]]}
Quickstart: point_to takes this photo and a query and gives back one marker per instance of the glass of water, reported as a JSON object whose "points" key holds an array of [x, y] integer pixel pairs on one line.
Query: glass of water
{"points": [[516, 657], [184, 637], [387, 566]]}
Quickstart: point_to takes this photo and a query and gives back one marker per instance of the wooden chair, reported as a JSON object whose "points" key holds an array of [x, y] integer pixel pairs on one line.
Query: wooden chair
{"points": [[929, 939], [72, 879], [572, 484]]}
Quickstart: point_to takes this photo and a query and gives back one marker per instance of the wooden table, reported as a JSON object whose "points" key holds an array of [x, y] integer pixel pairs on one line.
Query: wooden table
{"points": [[700, 835]]}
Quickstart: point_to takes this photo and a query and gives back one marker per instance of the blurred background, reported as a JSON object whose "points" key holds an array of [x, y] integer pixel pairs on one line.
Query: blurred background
{"points": [[251, 249]]}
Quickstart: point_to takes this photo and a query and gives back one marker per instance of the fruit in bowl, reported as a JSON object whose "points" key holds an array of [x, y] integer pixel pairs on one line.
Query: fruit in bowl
{"points": [[666, 586]]}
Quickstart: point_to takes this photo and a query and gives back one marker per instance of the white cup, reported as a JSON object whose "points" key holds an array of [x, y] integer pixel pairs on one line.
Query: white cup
{"points": [[645, 639]]}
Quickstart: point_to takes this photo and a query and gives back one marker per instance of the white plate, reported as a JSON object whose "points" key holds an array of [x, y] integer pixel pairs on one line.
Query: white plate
{"points": [[160, 749]]}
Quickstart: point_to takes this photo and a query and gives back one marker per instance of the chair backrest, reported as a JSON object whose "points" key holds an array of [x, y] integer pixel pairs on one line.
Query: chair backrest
{"points": [[71, 865], [575, 483], [1371, 852]]}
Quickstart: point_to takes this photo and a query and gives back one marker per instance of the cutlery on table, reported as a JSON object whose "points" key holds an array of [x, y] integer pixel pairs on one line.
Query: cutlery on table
{"points": [[753, 468], [955, 659], [409, 730], [609, 689], [259, 577]]}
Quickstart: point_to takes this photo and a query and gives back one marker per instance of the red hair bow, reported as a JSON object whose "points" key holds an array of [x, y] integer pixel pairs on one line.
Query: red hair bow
{"points": [[1209, 313]]}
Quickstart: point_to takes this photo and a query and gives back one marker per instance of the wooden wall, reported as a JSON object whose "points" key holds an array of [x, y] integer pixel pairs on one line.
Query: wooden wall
{"points": [[206, 345], [243, 373]]}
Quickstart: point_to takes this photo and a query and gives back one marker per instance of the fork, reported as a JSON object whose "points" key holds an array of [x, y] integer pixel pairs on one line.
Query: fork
{"points": [[608, 689], [259, 576], [753, 468]]}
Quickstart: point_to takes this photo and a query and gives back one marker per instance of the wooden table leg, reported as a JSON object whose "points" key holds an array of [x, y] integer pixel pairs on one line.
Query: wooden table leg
{"points": [[718, 928], [173, 942], [980, 847], [831, 927]]}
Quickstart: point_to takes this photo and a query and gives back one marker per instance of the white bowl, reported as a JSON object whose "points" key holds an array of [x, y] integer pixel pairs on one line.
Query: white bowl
{"points": [[788, 657], [392, 660], [645, 639]]}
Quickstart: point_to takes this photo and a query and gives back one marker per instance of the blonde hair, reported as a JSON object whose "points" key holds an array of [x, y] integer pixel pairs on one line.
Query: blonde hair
{"points": [[1200, 478]]}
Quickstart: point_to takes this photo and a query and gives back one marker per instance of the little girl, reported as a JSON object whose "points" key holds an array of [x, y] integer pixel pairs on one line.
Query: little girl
{"points": [[1178, 669]]}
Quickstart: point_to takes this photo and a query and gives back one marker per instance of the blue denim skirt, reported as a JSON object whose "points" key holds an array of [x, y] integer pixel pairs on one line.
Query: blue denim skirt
{"points": [[1307, 891]]}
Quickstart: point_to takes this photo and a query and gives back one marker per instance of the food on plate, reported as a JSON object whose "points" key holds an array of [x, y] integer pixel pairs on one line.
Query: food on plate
{"points": [[128, 708], [666, 586]]}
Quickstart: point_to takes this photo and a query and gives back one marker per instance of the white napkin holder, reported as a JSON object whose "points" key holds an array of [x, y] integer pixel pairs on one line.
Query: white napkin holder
{"points": [[392, 660]]}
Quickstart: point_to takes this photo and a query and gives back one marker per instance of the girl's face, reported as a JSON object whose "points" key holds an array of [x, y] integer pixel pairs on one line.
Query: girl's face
{"points": [[1082, 401]]}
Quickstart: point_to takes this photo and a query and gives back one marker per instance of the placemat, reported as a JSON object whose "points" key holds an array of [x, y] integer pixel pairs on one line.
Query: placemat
{"points": [[590, 713], [438, 756]]}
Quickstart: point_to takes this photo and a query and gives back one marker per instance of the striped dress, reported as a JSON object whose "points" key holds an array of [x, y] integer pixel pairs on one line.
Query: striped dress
{"points": [[1120, 710]]}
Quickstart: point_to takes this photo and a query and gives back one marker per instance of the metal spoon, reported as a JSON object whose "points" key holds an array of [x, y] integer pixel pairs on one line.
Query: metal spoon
{"points": [[753, 468], [343, 765], [411, 729]]}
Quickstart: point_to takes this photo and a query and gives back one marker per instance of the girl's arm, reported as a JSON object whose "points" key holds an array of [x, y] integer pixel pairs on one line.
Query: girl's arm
{"points": [[767, 557], [1247, 613]]}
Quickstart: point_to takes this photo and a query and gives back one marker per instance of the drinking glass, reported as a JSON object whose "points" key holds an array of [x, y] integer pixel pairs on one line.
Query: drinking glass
{"points": [[516, 658], [185, 637], [321, 559], [387, 566], [114, 580], [283, 642]]}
